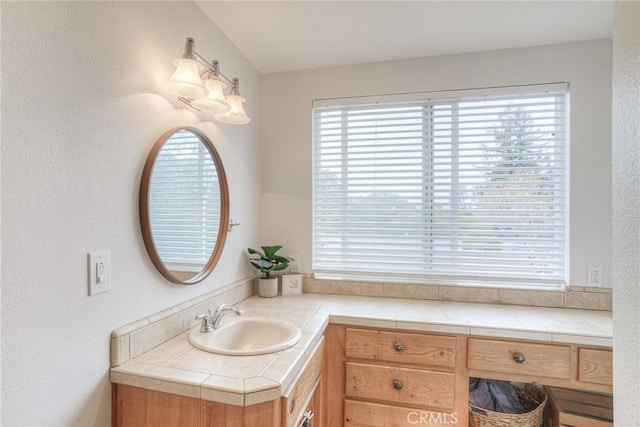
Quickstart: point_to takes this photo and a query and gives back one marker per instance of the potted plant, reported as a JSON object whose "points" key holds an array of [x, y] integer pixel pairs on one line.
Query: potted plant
{"points": [[267, 262]]}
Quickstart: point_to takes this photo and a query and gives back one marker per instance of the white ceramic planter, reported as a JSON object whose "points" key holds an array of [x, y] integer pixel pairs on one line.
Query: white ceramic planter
{"points": [[268, 288]]}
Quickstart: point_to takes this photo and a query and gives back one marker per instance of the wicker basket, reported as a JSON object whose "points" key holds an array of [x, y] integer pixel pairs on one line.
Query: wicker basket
{"points": [[532, 398]]}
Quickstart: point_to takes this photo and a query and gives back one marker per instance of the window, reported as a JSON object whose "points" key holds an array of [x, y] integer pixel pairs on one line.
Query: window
{"points": [[463, 187]]}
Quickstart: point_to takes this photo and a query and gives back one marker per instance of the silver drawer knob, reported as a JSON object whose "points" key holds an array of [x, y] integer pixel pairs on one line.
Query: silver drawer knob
{"points": [[397, 384], [399, 346], [519, 357]]}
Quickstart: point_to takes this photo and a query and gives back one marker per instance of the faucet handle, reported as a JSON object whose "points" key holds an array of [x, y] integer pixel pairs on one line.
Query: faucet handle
{"points": [[207, 322], [219, 309]]}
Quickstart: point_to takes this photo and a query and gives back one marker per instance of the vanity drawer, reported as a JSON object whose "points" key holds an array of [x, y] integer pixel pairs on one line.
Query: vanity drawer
{"points": [[400, 385], [295, 399], [595, 366], [401, 347], [538, 360], [365, 414]]}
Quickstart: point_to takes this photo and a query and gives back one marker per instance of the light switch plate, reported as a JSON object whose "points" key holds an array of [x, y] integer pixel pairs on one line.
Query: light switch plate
{"points": [[99, 267]]}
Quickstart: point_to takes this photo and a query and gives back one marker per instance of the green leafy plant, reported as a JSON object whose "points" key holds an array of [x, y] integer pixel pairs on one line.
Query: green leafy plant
{"points": [[267, 260]]}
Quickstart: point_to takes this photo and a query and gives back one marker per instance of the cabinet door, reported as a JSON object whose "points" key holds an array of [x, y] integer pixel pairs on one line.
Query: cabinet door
{"points": [[266, 414], [595, 366], [312, 416], [300, 393], [133, 406]]}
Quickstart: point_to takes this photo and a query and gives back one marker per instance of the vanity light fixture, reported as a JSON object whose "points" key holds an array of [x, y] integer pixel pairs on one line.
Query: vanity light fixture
{"points": [[200, 84]]}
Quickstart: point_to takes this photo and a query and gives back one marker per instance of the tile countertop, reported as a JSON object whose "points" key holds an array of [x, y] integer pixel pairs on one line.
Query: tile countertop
{"points": [[177, 367]]}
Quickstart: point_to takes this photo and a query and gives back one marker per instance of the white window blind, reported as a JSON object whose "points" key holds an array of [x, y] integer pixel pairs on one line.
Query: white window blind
{"points": [[184, 203], [460, 187]]}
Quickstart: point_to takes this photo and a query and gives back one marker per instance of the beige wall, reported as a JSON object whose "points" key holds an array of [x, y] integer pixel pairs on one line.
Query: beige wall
{"points": [[82, 108], [286, 133], [626, 213]]}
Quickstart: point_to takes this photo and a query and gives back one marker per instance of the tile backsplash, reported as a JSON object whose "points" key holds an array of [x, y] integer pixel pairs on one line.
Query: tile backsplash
{"points": [[140, 336], [574, 297]]}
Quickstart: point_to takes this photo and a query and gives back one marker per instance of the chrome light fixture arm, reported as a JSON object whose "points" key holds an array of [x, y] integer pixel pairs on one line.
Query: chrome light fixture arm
{"points": [[212, 67], [199, 84]]}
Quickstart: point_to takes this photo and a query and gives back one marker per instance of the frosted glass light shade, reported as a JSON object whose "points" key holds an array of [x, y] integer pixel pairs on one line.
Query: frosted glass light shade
{"points": [[186, 80], [215, 101], [236, 115]]}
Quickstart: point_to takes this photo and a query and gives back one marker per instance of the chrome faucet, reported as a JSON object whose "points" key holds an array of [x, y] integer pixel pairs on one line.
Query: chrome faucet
{"points": [[214, 321]]}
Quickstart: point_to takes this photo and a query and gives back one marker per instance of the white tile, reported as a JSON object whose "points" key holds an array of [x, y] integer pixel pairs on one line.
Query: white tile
{"points": [[359, 321], [160, 316], [153, 335], [305, 340], [584, 340], [252, 385], [313, 286], [131, 327], [261, 396], [552, 320], [160, 378], [356, 288], [404, 290], [414, 311], [217, 364], [510, 333], [168, 351], [225, 383], [119, 350], [219, 396], [588, 300], [285, 366], [149, 383], [532, 298], [468, 294], [181, 307], [315, 324], [433, 327], [478, 315]]}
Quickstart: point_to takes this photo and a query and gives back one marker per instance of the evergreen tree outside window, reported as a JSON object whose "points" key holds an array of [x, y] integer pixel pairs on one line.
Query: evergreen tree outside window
{"points": [[462, 187]]}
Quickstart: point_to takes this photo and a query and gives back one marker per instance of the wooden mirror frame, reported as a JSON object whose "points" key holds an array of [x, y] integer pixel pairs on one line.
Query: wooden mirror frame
{"points": [[145, 225]]}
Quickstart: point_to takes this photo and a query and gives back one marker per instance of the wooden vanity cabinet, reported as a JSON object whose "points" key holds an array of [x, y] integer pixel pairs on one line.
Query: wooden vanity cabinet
{"points": [[380, 378], [388, 377], [135, 407], [304, 396], [595, 366]]}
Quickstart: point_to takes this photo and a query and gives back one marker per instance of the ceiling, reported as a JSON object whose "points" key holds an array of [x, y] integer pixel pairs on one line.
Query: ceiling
{"points": [[281, 36]]}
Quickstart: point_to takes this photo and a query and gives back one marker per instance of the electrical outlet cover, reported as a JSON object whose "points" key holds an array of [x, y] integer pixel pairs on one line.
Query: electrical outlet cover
{"points": [[99, 267], [594, 276]]}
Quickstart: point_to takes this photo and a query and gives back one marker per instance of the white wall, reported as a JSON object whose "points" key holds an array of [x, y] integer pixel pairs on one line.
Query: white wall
{"points": [[286, 132], [80, 87], [626, 213]]}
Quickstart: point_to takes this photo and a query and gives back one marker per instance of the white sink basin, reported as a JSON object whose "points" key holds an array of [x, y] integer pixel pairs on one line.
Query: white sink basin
{"points": [[247, 336]]}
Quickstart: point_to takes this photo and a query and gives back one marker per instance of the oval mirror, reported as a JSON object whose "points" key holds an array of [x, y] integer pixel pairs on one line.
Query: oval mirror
{"points": [[184, 205]]}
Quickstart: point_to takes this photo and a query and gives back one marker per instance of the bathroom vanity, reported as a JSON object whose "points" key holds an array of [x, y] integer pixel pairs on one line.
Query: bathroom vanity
{"points": [[362, 361]]}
